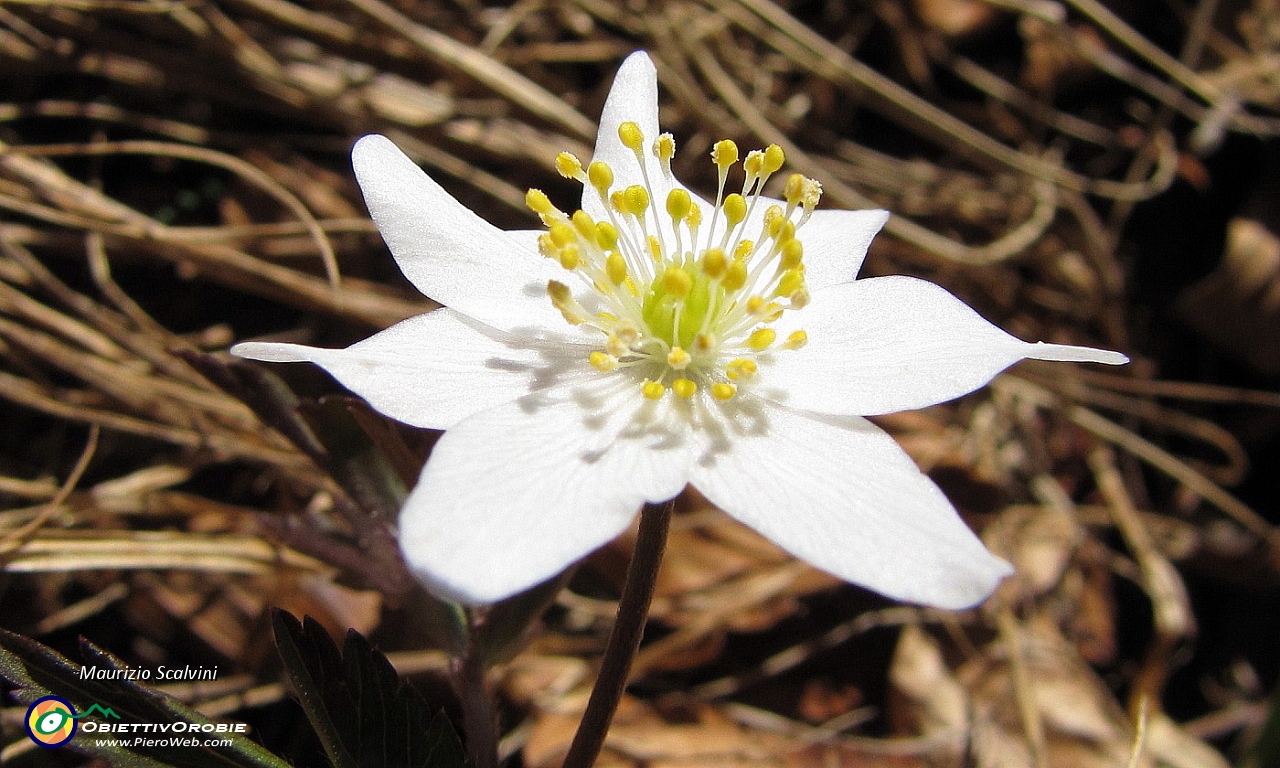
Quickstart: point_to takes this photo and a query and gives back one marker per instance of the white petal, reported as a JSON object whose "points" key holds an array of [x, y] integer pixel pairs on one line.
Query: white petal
{"points": [[839, 493], [513, 495], [436, 369], [835, 244], [634, 98], [448, 252], [888, 344]]}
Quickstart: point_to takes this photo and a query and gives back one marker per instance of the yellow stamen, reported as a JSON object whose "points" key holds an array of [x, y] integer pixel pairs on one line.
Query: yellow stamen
{"points": [[741, 369], [792, 254], [653, 390], [562, 234], [723, 391], [569, 166], [601, 177], [664, 148], [538, 202], [631, 136], [678, 359], [637, 199], [678, 204], [796, 340], [735, 276], [602, 361], [792, 281], [684, 388], [724, 154], [761, 338], [569, 257], [714, 263], [606, 235], [774, 158], [677, 282], [615, 267], [735, 208]]}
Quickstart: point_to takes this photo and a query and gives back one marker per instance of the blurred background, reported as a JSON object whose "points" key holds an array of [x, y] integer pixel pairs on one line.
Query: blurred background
{"points": [[174, 177]]}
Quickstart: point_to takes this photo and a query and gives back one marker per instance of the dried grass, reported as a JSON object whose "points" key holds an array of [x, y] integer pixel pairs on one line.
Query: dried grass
{"points": [[176, 519]]}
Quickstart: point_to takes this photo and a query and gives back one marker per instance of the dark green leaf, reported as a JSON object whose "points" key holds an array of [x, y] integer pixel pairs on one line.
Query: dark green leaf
{"points": [[361, 711]]}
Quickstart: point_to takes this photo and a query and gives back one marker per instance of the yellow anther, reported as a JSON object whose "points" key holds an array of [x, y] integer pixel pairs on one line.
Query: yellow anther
{"points": [[743, 249], [562, 234], [655, 249], [796, 340], [618, 201], [792, 281], [794, 189], [678, 204], [792, 254], [631, 286], [608, 317], [585, 225], [723, 390], [774, 158], [693, 218], [735, 276], [703, 343], [653, 390], [812, 194], [627, 331], [631, 136], [559, 292], [603, 361], [754, 163], [800, 299], [615, 267], [637, 199], [724, 154], [678, 359], [562, 299], [569, 257], [755, 304], [773, 219], [714, 263], [735, 208], [741, 369], [761, 338], [786, 231], [601, 176], [616, 346], [569, 166], [547, 247], [684, 388], [606, 235], [538, 202], [677, 282], [664, 148]]}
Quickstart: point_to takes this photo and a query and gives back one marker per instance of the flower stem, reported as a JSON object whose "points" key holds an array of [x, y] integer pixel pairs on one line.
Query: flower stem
{"points": [[479, 721], [624, 641]]}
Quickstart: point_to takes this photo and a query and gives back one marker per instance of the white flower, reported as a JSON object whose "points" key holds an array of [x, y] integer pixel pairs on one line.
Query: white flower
{"points": [[704, 346]]}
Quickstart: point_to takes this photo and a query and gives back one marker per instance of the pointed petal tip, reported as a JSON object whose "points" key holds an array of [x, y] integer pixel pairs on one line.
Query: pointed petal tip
{"points": [[971, 593], [270, 352], [1071, 354], [637, 59], [375, 149]]}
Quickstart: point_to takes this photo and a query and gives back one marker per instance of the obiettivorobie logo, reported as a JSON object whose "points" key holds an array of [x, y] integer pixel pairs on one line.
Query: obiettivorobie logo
{"points": [[52, 721]]}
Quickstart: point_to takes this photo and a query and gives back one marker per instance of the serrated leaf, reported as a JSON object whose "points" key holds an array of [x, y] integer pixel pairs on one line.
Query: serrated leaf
{"points": [[36, 670], [363, 714]]}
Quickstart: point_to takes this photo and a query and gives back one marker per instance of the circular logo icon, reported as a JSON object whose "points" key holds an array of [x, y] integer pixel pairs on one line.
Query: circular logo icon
{"points": [[51, 721]]}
